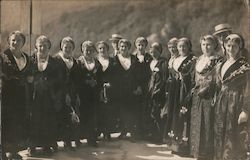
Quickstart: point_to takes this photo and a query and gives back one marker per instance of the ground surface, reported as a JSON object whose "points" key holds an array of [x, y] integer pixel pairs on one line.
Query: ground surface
{"points": [[114, 150]]}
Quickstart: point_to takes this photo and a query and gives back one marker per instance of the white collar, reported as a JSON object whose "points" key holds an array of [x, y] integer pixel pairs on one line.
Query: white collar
{"points": [[21, 62], [125, 61], [69, 62], [104, 62]]}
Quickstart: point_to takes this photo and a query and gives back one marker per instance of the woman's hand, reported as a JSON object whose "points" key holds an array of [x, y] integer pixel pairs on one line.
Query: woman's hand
{"points": [[243, 117]]}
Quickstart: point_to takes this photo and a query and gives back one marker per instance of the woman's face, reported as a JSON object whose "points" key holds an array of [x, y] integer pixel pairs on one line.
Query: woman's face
{"points": [[173, 49], [102, 50], [232, 49], [16, 42], [88, 52], [154, 53], [67, 49], [140, 46], [123, 48], [43, 48], [207, 47], [182, 48]]}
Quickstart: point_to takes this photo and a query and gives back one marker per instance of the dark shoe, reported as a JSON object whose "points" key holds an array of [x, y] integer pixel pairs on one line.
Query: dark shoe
{"points": [[47, 151], [92, 143], [122, 136], [107, 137], [78, 143]]}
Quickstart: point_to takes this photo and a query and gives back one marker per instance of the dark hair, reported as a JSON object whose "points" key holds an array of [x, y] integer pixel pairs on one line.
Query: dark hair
{"points": [[141, 39]]}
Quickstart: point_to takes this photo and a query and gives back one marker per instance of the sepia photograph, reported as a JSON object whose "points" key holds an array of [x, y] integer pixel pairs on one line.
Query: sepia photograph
{"points": [[124, 79]]}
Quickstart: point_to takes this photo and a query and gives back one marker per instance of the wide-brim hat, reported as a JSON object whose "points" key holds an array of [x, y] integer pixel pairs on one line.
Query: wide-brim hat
{"points": [[115, 37], [222, 28]]}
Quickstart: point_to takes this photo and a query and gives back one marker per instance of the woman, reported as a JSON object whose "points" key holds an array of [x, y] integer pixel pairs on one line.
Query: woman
{"points": [[184, 67], [171, 92], [46, 101], [71, 101], [89, 89], [231, 109], [15, 113], [126, 89], [201, 130], [107, 111], [156, 89], [142, 76]]}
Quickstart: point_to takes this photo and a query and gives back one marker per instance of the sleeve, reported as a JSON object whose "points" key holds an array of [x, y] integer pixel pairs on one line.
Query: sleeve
{"points": [[246, 96]]}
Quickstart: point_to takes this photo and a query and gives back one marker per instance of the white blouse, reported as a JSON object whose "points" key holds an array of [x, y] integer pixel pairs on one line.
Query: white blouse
{"points": [[104, 62], [42, 64], [21, 62], [141, 58], [153, 64], [125, 61], [202, 63], [226, 66], [178, 61], [170, 62], [68, 61]]}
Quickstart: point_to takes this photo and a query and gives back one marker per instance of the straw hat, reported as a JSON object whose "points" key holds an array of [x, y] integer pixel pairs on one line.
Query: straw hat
{"points": [[115, 37], [222, 28]]}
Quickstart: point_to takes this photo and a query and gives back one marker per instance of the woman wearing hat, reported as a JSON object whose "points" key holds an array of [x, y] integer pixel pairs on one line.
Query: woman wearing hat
{"points": [[68, 128], [156, 90], [126, 88], [89, 89], [183, 65], [232, 106], [16, 70], [142, 76], [45, 98], [202, 115]]}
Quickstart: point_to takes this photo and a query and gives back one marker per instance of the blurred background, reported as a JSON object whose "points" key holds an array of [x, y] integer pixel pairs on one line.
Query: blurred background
{"points": [[158, 20]]}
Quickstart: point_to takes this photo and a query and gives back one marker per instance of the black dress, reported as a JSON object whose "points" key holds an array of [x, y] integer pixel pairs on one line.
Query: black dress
{"points": [[107, 113], [89, 89], [126, 85], [45, 103], [15, 114], [68, 128], [157, 97], [143, 75]]}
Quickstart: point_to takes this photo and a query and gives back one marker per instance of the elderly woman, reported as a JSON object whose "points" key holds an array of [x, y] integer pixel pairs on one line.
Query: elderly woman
{"points": [[89, 89], [68, 127], [156, 89], [16, 70], [201, 138], [126, 88], [171, 92], [184, 67], [142, 76], [232, 106], [108, 111], [45, 102]]}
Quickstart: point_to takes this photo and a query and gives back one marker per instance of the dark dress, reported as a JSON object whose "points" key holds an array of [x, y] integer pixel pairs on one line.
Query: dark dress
{"points": [[179, 130], [108, 112], [89, 91], [15, 113], [143, 76], [68, 129], [229, 135], [202, 111], [125, 98], [157, 97], [46, 103]]}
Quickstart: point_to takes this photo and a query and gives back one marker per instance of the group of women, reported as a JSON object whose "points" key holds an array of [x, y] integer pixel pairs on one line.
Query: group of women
{"points": [[194, 104]]}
